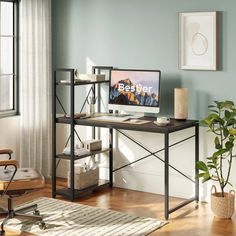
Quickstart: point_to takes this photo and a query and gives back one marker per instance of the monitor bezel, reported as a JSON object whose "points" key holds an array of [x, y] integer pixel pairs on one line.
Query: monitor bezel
{"points": [[130, 107]]}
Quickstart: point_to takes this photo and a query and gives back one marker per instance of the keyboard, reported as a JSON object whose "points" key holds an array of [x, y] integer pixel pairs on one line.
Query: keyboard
{"points": [[113, 118]]}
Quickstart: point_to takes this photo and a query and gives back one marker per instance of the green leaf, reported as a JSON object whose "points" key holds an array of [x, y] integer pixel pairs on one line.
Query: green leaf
{"points": [[209, 162], [200, 175], [220, 152], [213, 159], [204, 122], [229, 145], [213, 119], [228, 104], [218, 104], [232, 131], [211, 106], [221, 121], [206, 177], [211, 166], [217, 140], [215, 111], [231, 122], [227, 114], [217, 143], [202, 166], [213, 116], [231, 138], [225, 132]]}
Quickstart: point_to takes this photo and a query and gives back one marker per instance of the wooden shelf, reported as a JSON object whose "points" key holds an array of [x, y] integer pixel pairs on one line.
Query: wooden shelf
{"points": [[66, 192], [68, 157], [83, 83]]}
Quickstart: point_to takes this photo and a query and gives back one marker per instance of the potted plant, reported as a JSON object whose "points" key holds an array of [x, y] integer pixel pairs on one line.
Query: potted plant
{"points": [[221, 121]]}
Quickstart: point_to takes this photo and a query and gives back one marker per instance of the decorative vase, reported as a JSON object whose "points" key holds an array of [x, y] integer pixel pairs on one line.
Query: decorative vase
{"points": [[222, 207], [181, 103]]}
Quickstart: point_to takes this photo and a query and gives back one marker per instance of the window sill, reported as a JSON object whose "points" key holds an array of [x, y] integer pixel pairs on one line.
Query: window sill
{"points": [[8, 114]]}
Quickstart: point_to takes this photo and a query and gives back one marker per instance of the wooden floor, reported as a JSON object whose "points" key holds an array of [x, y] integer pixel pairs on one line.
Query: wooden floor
{"points": [[192, 220]]}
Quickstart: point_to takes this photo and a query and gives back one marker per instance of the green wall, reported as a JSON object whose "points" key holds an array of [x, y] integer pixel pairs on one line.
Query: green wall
{"points": [[144, 34]]}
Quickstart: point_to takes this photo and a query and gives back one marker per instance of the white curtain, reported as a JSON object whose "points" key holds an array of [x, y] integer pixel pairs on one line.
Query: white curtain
{"points": [[35, 84]]}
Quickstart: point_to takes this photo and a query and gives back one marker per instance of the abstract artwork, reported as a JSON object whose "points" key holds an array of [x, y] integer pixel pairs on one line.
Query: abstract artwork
{"points": [[198, 41]]}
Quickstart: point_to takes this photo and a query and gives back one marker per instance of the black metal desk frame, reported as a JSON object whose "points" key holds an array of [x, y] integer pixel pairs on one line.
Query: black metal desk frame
{"points": [[167, 165], [119, 127]]}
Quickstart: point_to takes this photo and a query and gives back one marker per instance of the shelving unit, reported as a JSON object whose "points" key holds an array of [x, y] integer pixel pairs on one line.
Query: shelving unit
{"points": [[72, 193]]}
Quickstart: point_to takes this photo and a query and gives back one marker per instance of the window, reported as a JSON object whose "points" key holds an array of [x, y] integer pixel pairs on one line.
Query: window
{"points": [[8, 58]]}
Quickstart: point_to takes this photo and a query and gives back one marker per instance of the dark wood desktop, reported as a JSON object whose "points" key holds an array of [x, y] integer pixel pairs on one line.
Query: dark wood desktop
{"points": [[174, 125]]}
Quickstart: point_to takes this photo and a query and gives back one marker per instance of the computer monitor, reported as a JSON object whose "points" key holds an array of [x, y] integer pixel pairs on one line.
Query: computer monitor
{"points": [[134, 90]]}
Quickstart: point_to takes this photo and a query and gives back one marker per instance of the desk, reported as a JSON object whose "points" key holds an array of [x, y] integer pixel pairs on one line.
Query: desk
{"points": [[174, 126]]}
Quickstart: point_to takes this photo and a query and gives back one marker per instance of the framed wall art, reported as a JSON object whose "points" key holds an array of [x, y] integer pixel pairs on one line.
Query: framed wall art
{"points": [[198, 46]]}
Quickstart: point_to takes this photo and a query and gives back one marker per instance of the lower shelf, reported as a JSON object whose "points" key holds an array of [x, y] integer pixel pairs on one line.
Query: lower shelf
{"points": [[92, 153], [66, 192]]}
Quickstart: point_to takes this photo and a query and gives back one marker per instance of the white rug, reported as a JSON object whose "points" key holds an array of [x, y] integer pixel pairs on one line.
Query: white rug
{"points": [[66, 218]]}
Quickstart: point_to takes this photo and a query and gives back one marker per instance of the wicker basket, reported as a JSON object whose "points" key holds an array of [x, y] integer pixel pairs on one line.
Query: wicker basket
{"points": [[85, 179], [222, 207]]}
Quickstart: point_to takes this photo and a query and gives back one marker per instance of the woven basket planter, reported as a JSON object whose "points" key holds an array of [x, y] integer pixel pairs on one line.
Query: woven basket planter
{"points": [[222, 207]]}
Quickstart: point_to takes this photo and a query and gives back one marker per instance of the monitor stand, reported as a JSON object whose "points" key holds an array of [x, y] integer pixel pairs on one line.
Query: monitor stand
{"points": [[133, 115]]}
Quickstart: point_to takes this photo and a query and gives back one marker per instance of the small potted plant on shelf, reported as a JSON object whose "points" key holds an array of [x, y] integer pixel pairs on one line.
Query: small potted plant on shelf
{"points": [[221, 121]]}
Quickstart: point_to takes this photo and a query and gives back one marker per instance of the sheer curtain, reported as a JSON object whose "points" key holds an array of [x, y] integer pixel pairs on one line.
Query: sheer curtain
{"points": [[35, 84]]}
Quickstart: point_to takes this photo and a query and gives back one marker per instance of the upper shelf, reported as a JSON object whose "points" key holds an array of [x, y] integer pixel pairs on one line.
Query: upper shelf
{"points": [[83, 83]]}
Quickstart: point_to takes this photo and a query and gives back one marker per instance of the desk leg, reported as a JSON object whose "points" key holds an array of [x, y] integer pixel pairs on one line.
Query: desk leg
{"points": [[111, 157], [166, 176], [54, 180], [196, 160], [54, 136], [94, 96]]}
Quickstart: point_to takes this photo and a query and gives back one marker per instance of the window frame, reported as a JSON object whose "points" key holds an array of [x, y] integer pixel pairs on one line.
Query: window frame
{"points": [[15, 110]]}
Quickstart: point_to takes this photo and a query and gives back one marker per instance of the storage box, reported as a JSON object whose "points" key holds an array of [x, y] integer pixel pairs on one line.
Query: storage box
{"points": [[92, 77], [84, 179], [92, 144]]}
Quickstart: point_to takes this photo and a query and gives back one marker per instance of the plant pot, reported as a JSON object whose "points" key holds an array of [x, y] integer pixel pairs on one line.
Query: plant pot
{"points": [[222, 207]]}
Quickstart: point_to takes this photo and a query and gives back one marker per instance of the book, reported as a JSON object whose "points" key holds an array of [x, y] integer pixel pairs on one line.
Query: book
{"points": [[76, 81], [76, 115]]}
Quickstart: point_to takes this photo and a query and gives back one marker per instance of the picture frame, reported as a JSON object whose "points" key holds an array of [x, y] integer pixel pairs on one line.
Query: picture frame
{"points": [[198, 41]]}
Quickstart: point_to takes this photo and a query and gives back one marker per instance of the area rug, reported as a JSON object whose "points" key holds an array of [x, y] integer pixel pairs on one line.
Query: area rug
{"points": [[66, 218]]}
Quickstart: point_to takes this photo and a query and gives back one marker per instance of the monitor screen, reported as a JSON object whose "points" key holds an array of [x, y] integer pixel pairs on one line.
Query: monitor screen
{"points": [[134, 88]]}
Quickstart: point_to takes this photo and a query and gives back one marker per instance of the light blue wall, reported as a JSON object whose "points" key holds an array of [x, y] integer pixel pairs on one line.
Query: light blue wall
{"points": [[144, 34]]}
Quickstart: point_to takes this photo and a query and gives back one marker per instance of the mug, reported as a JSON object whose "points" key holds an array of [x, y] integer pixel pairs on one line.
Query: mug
{"points": [[163, 120]]}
